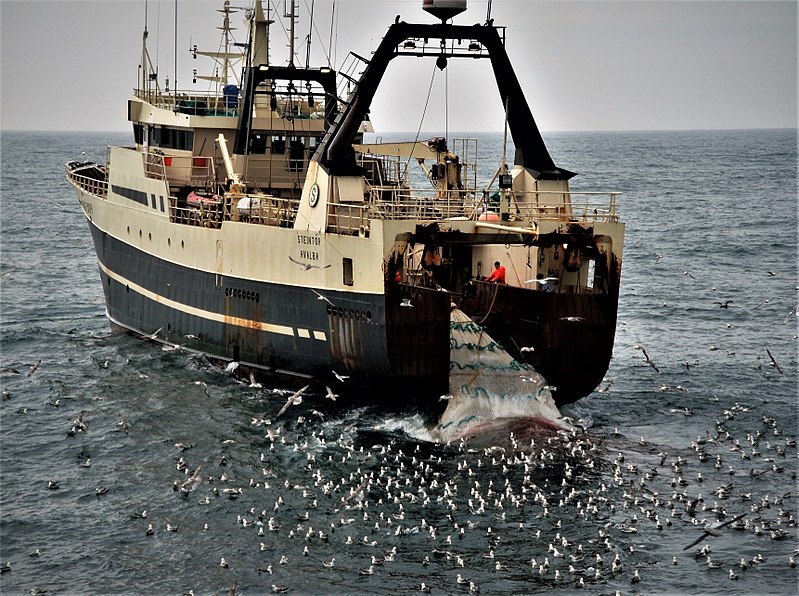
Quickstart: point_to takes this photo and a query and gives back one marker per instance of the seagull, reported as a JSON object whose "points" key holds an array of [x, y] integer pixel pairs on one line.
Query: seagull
{"points": [[406, 302], [35, 367], [329, 563], [725, 304], [543, 281], [646, 356], [526, 349], [340, 377], [330, 395], [279, 589], [154, 334], [193, 482], [688, 274], [777, 366], [792, 313], [714, 531], [307, 266], [232, 366], [320, 297], [294, 400]]}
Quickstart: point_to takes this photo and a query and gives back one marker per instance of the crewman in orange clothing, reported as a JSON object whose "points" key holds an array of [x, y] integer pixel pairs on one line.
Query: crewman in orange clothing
{"points": [[498, 275]]}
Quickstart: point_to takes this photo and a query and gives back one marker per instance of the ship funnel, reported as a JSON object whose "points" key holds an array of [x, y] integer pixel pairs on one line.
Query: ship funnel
{"points": [[444, 9]]}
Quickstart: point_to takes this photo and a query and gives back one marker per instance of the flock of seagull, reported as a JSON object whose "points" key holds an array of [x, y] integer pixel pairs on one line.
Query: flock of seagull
{"points": [[325, 508]]}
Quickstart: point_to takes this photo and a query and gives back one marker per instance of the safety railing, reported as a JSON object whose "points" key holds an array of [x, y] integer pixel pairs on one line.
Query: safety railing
{"points": [[581, 207], [204, 215], [267, 210], [347, 219], [192, 103], [187, 170], [391, 202], [95, 185]]}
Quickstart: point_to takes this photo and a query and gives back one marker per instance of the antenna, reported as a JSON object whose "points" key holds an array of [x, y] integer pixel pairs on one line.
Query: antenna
{"points": [[292, 18]]}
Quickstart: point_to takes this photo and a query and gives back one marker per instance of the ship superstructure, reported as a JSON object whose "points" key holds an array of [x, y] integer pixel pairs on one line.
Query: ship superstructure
{"points": [[255, 225]]}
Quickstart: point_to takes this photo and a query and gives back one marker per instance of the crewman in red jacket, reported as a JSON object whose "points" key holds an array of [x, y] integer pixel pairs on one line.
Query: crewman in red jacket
{"points": [[498, 275]]}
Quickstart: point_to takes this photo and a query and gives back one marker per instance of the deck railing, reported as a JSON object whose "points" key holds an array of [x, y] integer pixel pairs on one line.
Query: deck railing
{"points": [[93, 186], [391, 202], [187, 170]]}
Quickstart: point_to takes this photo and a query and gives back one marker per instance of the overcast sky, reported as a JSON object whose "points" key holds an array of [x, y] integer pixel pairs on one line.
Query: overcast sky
{"points": [[591, 65]]}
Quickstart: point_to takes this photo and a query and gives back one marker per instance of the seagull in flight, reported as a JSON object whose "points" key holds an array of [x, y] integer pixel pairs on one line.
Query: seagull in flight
{"points": [[646, 356], [154, 334], [406, 302], [320, 297], [340, 377], [725, 304], [307, 266], [777, 366], [294, 400], [330, 395]]}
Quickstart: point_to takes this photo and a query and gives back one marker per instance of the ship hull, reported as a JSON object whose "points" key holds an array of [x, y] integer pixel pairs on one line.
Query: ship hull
{"points": [[280, 328]]}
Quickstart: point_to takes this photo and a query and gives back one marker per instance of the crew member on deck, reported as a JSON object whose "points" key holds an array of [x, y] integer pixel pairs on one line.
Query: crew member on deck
{"points": [[498, 275]]}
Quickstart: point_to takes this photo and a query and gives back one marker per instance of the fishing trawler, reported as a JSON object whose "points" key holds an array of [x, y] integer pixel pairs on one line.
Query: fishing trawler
{"points": [[254, 224]]}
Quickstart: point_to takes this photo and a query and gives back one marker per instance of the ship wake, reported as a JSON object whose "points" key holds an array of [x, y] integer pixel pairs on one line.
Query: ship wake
{"points": [[490, 391]]}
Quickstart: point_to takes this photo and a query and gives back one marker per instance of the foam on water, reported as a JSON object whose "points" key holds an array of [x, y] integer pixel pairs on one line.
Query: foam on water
{"points": [[487, 384]]}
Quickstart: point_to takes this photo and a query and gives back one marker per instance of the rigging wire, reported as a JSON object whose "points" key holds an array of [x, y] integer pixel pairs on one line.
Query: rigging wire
{"points": [[421, 120], [310, 31], [318, 35]]}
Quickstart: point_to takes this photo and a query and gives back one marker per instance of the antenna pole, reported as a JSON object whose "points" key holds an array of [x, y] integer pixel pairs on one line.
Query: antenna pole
{"points": [[176, 55], [310, 32], [291, 35]]}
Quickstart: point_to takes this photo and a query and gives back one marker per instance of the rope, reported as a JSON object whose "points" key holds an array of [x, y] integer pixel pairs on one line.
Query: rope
{"points": [[421, 121]]}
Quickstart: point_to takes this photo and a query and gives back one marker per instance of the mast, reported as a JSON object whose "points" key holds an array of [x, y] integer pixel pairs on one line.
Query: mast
{"points": [[292, 17], [259, 48], [148, 74]]}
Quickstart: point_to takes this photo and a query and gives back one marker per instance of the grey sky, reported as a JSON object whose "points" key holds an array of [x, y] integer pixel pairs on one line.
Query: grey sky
{"points": [[591, 65]]}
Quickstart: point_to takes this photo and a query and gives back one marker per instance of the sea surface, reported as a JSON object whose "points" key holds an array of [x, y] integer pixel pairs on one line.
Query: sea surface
{"points": [[702, 436]]}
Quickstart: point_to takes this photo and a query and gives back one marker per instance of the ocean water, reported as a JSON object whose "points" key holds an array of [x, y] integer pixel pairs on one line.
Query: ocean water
{"points": [[706, 438]]}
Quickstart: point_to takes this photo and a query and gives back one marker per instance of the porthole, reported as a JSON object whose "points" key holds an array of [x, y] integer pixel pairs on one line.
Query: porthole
{"points": [[169, 241], [128, 229], [182, 244], [368, 315], [150, 236], [140, 233]]}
